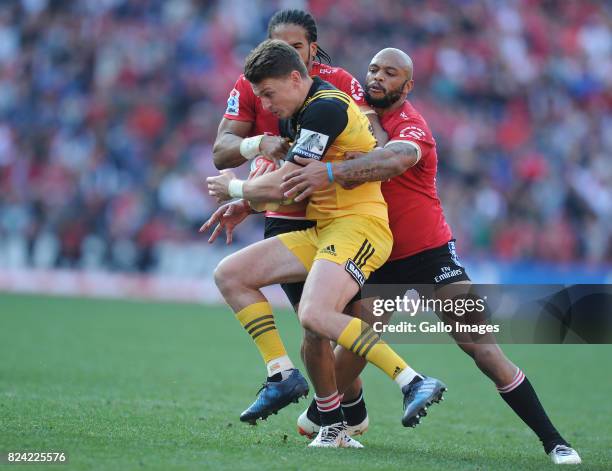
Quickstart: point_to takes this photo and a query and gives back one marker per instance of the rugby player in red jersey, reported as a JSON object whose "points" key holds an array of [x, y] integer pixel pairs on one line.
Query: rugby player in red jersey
{"points": [[423, 251], [248, 131]]}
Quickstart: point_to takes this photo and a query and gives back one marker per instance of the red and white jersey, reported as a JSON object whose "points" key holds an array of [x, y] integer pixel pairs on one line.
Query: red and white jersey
{"points": [[415, 212], [243, 105]]}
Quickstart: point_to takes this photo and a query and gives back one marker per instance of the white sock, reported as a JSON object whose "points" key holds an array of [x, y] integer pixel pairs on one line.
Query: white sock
{"points": [[406, 375], [280, 365]]}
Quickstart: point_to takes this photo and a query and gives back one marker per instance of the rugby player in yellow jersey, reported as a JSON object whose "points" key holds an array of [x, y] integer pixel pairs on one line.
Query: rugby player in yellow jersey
{"points": [[351, 238]]}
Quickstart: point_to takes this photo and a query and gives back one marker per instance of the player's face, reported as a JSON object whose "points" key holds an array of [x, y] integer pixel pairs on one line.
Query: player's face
{"points": [[280, 96], [386, 83], [295, 36]]}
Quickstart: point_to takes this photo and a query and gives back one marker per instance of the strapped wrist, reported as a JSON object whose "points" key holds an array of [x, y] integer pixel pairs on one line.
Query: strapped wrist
{"points": [[235, 188], [249, 147]]}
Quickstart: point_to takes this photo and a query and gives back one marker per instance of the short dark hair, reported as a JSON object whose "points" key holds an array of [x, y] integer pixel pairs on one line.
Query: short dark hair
{"points": [[272, 59]]}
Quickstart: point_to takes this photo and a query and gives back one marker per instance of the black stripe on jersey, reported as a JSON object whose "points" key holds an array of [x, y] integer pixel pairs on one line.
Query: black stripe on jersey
{"points": [[359, 260], [365, 241], [367, 257]]}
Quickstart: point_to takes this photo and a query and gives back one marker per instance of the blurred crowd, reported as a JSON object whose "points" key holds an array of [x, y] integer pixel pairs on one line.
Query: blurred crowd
{"points": [[109, 108]]}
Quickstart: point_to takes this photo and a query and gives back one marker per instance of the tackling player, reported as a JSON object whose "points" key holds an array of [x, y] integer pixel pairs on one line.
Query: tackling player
{"points": [[246, 131], [423, 250], [351, 238]]}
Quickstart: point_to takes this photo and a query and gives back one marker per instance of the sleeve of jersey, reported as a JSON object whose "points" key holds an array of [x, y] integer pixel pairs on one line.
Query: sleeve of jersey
{"points": [[322, 122], [414, 134], [351, 86], [241, 102]]}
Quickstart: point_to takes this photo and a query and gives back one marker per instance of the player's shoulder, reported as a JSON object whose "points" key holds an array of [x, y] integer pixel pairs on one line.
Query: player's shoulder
{"points": [[331, 73], [326, 95], [407, 123], [323, 70], [243, 86], [407, 114]]}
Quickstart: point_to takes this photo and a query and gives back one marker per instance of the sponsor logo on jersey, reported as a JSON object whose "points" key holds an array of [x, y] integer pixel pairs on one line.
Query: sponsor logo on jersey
{"points": [[412, 132], [330, 249], [446, 273], [311, 144], [233, 103], [355, 272]]}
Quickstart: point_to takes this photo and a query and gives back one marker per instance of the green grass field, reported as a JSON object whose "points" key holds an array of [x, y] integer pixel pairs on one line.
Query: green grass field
{"points": [[128, 386]]}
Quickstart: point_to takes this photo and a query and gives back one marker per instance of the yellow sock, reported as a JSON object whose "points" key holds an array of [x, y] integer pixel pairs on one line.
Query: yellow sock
{"points": [[359, 338], [258, 321]]}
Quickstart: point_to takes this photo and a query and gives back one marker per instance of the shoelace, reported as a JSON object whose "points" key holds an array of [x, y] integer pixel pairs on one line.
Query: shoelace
{"points": [[563, 450], [331, 432]]}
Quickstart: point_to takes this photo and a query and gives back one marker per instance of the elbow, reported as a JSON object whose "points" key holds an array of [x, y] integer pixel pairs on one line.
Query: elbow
{"points": [[399, 164], [218, 160], [397, 167]]}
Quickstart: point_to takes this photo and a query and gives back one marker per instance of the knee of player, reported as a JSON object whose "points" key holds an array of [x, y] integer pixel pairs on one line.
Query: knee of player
{"points": [[226, 274], [310, 319]]}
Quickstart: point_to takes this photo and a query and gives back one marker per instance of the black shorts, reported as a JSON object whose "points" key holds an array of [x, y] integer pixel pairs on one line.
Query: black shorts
{"points": [[276, 226], [439, 266]]}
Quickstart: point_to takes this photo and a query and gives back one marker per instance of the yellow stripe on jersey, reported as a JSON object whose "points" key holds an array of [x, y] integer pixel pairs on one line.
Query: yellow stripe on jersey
{"points": [[328, 94]]}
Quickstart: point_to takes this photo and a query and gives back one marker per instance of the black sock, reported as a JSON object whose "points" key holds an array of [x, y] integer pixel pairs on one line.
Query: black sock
{"points": [[275, 378], [525, 403], [313, 413], [329, 409], [354, 410]]}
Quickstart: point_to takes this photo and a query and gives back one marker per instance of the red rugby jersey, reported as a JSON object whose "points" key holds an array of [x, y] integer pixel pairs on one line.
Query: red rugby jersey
{"points": [[415, 212], [243, 105]]}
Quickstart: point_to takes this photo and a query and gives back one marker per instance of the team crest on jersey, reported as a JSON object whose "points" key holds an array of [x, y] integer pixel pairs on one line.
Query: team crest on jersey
{"points": [[233, 103], [356, 90], [412, 132], [311, 144]]}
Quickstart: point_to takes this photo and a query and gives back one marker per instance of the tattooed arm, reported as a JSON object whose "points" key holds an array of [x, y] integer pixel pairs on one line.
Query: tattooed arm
{"points": [[378, 165]]}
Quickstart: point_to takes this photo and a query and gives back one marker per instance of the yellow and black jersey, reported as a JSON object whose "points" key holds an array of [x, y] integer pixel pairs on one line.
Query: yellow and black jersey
{"points": [[328, 125]]}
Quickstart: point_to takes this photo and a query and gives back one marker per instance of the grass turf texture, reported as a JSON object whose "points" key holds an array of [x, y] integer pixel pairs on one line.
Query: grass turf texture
{"points": [[125, 385]]}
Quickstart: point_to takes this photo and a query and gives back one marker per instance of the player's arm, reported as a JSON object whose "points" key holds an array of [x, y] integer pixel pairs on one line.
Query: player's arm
{"points": [[263, 189], [267, 187], [378, 165], [326, 118], [232, 147], [380, 134], [226, 149]]}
